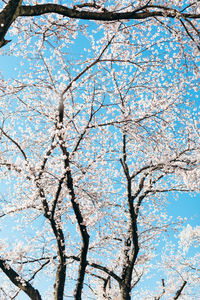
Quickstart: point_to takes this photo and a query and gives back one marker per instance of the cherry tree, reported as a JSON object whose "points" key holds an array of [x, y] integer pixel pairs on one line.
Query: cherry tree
{"points": [[99, 127]]}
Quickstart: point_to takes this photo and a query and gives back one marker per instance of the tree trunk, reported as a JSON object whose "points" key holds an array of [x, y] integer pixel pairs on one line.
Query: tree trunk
{"points": [[125, 292]]}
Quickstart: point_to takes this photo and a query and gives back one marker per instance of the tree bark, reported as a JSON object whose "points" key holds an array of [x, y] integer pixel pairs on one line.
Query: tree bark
{"points": [[59, 285], [14, 9], [132, 245], [76, 208], [104, 15], [125, 292], [18, 281], [7, 17], [178, 293]]}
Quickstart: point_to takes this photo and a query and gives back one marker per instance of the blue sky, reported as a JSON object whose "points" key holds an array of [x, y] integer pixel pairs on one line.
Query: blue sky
{"points": [[185, 206]]}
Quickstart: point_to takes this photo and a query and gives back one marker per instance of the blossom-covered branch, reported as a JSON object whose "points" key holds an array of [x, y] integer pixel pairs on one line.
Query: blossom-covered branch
{"points": [[92, 11]]}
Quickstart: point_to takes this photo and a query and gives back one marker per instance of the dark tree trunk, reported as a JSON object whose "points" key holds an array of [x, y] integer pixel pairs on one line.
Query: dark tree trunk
{"points": [[125, 292]]}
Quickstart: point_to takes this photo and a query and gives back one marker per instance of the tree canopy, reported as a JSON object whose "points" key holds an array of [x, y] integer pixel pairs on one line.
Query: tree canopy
{"points": [[99, 130]]}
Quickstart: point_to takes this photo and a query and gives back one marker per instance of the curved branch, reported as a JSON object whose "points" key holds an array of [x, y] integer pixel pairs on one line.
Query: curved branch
{"points": [[7, 17], [104, 15], [15, 143], [99, 267], [14, 9]]}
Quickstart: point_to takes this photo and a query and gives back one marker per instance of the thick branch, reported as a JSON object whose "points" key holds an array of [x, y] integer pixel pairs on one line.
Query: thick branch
{"points": [[131, 244], [7, 17], [77, 211], [133, 235], [79, 217], [14, 9], [104, 15], [61, 267], [83, 229], [19, 281]]}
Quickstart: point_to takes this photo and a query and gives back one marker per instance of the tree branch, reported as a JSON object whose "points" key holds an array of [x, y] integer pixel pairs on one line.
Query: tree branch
{"points": [[99, 267], [76, 208], [61, 267], [76, 13], [93, 265], [83, 229], [14, 9], [7, 17], [14, 142], [178, 293], [19, 281], [131, 244], [163, 291]]}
